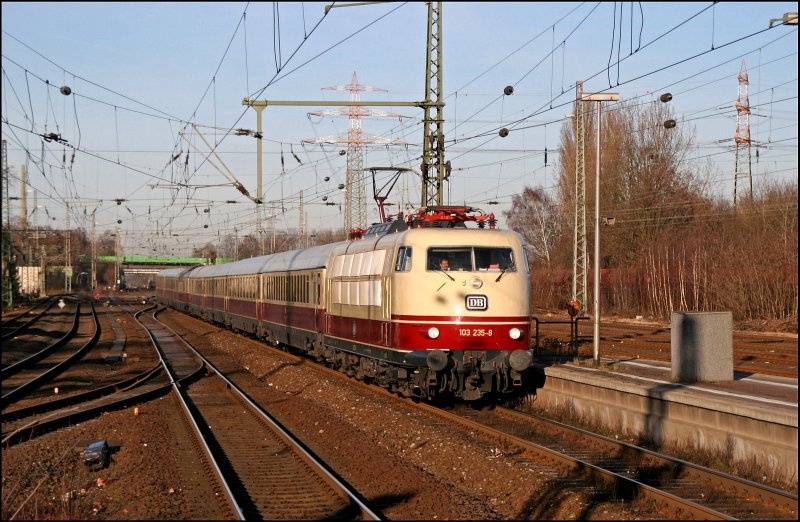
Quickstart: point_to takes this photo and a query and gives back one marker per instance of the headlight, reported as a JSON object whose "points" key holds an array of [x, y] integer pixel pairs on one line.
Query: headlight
{"points": [[433, 332], [515, 333], [476, 283]]}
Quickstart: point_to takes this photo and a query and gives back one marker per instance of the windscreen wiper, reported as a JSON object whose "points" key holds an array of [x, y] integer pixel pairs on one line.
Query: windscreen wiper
{"points": [[445, 273], [506, 269]]}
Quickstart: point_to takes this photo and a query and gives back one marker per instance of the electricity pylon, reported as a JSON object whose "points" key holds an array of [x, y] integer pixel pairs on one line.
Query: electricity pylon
{"points": [[742, 167], [355, 198]]}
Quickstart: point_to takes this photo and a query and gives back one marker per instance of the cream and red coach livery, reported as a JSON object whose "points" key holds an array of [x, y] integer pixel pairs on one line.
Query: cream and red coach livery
{"points": [[435, 309]]}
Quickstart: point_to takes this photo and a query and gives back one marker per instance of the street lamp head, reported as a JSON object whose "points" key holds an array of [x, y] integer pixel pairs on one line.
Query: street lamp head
{"points": [[600, 96]]}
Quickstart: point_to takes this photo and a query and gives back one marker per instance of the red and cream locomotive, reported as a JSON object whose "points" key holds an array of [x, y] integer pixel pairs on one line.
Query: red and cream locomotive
{"points": [[436, 309]]}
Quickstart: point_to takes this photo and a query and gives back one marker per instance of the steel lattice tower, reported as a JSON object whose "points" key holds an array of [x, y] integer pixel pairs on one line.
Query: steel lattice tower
{"points": [[355, 198], [743, 164], [434, 168], [579, 260]]}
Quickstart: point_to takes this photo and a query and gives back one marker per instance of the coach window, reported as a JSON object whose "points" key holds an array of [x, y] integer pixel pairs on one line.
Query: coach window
{"points": [[403, 259]]}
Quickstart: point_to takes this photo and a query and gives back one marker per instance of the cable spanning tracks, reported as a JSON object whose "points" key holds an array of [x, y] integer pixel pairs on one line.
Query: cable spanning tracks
{"points": [[260, 468], [685, 490]]}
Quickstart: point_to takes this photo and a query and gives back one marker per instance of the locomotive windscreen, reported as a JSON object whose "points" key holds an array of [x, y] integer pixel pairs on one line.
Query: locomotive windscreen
{"points": [[471, 259]]}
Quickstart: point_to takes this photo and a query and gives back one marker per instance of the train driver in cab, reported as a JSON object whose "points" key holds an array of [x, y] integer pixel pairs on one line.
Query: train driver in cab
{"points": [[444, 264]]}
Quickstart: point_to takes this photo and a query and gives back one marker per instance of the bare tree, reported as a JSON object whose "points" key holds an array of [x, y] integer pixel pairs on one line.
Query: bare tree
{"points": [[673, 246], [535, 217], [209, 250]]}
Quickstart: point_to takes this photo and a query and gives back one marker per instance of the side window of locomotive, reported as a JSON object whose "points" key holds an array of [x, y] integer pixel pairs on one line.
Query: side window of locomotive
{"points": [[494, 259], [403, 259], [525, 259]]}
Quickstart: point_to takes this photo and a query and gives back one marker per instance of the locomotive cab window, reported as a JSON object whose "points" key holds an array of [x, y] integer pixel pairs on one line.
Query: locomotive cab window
{"points": [[494, 259], [455, 259], [471, 259]]}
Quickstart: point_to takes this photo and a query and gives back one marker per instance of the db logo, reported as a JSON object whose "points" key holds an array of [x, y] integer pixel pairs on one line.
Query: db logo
{"points": [[477, 302]]}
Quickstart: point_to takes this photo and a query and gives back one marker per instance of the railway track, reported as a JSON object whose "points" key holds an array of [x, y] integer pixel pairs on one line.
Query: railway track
{"points": [[660, 486], [644, 471], [260, 467], [49, 413], [254, 466], [23, 345], [20, 320], [42, 366], [25, 423]]}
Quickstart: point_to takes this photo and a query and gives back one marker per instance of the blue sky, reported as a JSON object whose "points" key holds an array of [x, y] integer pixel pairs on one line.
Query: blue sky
{"points": [[140, 72]]}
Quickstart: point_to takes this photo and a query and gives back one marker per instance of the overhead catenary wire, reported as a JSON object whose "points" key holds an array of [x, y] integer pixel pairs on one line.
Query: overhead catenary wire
{"points": [[485, 147]]}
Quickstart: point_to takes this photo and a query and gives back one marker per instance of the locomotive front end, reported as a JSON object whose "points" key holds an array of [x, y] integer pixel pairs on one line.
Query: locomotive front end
{"points": [[461, 307]]}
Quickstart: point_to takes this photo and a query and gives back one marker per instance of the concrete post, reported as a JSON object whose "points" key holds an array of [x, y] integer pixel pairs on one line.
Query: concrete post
{"points": [[702, 346]]}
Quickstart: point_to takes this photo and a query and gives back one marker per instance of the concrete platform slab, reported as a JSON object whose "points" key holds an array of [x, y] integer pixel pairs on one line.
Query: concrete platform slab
{"points": [[752, 417]]}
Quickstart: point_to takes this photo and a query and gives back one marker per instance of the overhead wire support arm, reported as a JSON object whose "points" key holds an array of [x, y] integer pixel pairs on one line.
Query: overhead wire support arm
{"points": [[352, 4], [260, 105], [433, 134], [333, 103], [229, 176]]}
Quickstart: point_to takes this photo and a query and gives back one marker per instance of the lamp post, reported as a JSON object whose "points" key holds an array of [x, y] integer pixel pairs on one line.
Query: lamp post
{"points": [[599, 97]]}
